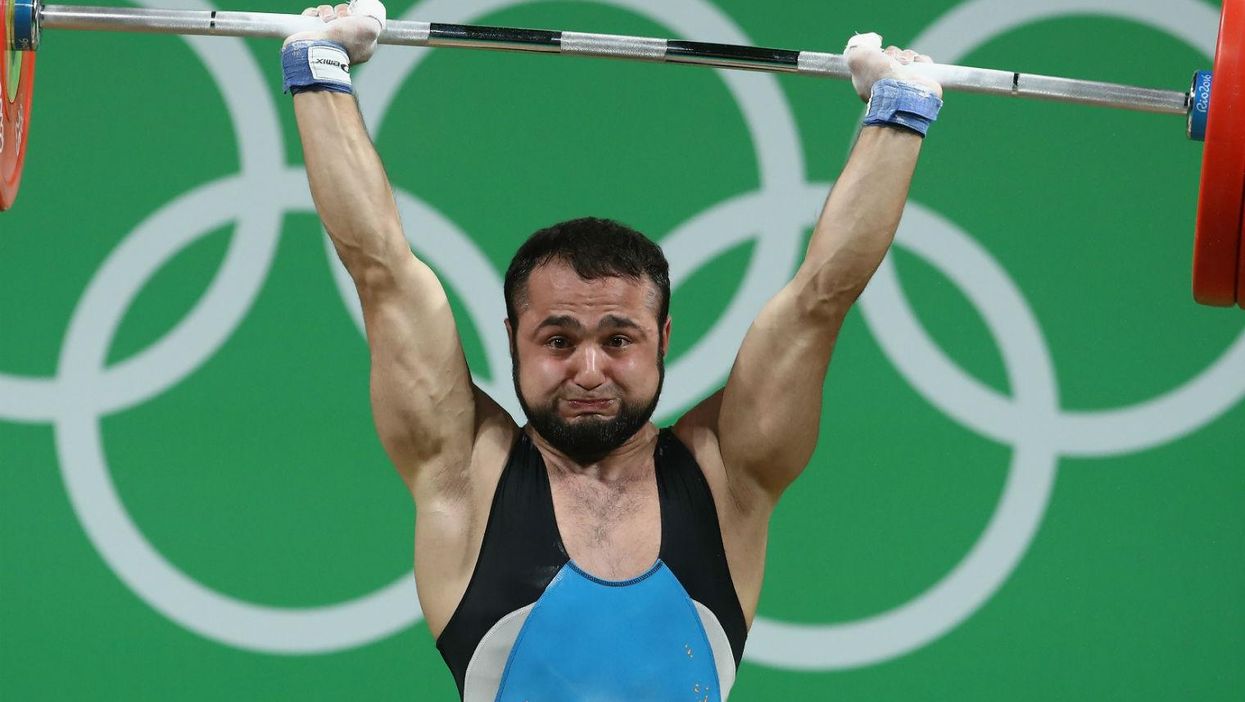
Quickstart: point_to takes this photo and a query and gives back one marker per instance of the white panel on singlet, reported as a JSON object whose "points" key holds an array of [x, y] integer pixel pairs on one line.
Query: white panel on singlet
{"points": [[483, 676], [723, 657]]}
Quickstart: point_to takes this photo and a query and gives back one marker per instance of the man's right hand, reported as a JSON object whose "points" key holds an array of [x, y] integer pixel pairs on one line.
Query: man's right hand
{"points": [[356, 26]]}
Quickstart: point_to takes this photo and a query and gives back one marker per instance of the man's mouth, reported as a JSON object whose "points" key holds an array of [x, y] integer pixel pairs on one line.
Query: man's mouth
{"points": [[589, 405]]}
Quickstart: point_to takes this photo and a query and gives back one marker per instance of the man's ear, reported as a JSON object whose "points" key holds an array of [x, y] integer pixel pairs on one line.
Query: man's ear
{"points": [[509, 334], [665, 336]]}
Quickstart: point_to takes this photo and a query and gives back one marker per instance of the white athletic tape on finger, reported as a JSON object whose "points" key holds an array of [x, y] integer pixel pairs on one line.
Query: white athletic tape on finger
{"points": [[864, 41], [371, 8]]}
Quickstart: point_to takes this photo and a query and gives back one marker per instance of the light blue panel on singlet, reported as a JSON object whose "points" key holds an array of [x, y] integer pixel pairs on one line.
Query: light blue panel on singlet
{"points": [[590, 640]]}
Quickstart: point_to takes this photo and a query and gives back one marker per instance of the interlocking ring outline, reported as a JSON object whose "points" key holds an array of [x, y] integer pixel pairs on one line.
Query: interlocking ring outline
{"points": [[83, 389]]}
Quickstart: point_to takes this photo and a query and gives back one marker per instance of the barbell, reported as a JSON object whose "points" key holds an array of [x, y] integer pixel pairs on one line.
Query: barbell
{"points": [[1219, 241]]}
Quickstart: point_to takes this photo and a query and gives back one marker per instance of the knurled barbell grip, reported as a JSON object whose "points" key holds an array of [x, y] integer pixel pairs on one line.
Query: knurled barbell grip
{"points": [[408, 33]]}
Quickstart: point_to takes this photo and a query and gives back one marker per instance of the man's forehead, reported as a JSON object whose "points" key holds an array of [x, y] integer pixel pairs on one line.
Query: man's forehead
{"points": [[558, 285], [555, 291]]}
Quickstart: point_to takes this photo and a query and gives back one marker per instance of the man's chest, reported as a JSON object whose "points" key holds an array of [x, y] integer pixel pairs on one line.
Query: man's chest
{"points": [[612, 530]]}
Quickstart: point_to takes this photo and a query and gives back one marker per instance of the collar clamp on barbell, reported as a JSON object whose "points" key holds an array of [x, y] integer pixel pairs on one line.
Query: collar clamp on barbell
{"points": [[24, 24]]}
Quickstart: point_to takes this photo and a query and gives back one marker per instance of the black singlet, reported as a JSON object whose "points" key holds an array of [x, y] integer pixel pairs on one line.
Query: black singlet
{"points": [[531, 624]]}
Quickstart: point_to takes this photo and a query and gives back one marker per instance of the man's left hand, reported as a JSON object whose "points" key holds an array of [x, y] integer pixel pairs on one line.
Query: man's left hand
{"points": [[870, 63]]}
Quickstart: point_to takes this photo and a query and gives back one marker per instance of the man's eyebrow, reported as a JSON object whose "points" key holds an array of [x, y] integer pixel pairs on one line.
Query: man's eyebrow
{"points": [[613, 321], [609, 321], [561, 320]]}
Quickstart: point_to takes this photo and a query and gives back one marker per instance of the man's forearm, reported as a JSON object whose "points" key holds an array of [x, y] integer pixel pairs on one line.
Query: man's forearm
{"points": [[348, 181], [858, 223]]}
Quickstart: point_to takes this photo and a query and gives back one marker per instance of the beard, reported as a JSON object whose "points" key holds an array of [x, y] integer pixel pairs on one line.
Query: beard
{"points": [[588, 438]]}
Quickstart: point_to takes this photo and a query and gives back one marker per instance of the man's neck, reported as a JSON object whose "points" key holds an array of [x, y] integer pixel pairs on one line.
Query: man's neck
{"points": [[623, 463]]}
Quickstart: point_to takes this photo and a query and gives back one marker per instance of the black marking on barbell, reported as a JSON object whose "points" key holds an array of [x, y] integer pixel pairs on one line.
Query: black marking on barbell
{"points": [[212, 24], [732, 52], [495, 35], [1015, 84]]}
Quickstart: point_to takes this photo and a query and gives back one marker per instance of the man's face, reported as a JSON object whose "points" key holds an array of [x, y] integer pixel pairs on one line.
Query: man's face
{"points": [[587, 359]]}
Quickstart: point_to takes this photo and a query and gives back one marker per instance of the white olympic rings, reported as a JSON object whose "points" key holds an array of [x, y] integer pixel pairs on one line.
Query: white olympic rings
{"points": [[85, 389]]}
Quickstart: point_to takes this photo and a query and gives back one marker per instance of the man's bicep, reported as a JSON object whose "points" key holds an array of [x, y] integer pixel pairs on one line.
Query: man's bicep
{"points": [[423, 401], [770, 410]]}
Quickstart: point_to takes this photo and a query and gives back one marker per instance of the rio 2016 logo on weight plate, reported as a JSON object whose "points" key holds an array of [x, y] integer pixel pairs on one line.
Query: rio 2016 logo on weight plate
{"points": [[1031, 421]]}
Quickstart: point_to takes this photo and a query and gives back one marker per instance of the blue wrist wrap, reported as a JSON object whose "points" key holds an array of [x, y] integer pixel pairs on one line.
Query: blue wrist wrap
{"points": [[315, 65], [901, 104]]}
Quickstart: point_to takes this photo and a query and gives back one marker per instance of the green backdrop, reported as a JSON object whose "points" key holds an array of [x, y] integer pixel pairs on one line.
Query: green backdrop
{"points": [[1030, 479]]}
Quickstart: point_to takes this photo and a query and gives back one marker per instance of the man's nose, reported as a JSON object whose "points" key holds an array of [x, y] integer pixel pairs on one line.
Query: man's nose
{"points": [[589, 369]]}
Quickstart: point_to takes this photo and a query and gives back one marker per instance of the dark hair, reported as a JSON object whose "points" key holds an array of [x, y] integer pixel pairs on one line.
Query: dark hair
{"points": [[594, 248]]}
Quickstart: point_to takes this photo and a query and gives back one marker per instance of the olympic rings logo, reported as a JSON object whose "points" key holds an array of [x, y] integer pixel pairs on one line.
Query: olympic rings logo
{"points": [[85, 388]]}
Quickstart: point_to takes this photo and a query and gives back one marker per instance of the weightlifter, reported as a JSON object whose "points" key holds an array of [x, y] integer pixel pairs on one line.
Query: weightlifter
{"points": [[588, 554]]}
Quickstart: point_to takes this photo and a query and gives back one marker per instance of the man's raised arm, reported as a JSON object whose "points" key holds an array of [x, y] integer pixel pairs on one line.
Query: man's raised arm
{"points": [[767, 417], [423, 400]]}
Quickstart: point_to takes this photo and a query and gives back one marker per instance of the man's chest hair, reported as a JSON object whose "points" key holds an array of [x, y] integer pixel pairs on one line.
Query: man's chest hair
{"points": [[592, 512]]}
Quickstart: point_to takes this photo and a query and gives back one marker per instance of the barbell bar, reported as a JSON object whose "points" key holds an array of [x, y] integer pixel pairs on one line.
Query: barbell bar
{"points": [[1219, 248]]}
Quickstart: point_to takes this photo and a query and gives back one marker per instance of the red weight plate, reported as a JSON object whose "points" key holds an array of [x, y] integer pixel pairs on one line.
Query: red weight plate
{"points": [[1217, 246], [17, 82]]}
